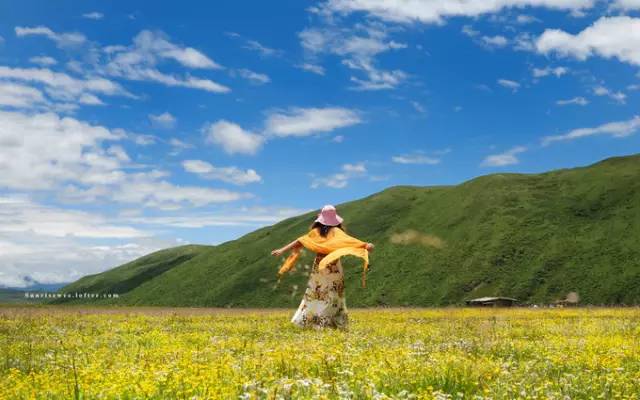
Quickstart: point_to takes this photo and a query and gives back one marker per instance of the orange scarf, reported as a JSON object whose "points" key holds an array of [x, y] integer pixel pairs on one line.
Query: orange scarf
{"points": [[335, 245]]}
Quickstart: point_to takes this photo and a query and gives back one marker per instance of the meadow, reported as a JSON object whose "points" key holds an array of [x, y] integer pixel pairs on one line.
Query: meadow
{"points": [[49, 352]]}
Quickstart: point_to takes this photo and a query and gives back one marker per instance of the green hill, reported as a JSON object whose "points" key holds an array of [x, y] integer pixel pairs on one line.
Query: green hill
{"points": [[127, 277], [535, 237]]}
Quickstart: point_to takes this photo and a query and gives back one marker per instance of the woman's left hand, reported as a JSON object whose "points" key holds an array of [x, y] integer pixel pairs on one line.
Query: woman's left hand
{"points": [[277, 252]]}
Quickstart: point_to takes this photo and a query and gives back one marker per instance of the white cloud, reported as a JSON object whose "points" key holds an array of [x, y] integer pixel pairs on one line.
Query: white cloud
{"points": [[526, 19], [254, 45], [54, 245], [504, 159], [41, 151], [164, 120], [354, 168], [148, 190], [140, 139], [617, 129], [436, 11], [44, 61], [189, 57], [254, 77], [315, 40], [358, 48], [295, 121], [138, 62], [198, 167], [118, 152], [494, 41], [338, 139], [81, 163], [63, 87], [313, 68], [616, 96], [524, 41], [72, 39], [28, 257], [626, 4], [542, 72], [376, 79], [177, 146], [90, 99], [341, 179], [93, 15], [148, 44], [241, 216], [469, 31], [21, 215], [179, 143], [608, 37], [152, 74], [486, 41], [580, 101], [513, 85], [232, 138], [232, 175], [20, 96], [416, 158], [308, 121]]}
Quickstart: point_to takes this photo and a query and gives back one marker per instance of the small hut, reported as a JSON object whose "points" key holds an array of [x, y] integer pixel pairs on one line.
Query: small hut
{"points": [[571, 300], [492, 302]]}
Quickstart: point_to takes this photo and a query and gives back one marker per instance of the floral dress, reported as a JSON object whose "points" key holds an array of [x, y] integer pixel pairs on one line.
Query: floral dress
{"points": [[323, 303]]}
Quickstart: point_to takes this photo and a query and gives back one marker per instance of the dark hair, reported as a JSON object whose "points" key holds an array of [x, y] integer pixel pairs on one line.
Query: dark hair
{"points": [[324, 229]]}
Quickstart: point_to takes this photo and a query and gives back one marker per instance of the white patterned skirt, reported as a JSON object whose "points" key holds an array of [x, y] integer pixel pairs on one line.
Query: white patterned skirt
{"points": [[323, 303]]}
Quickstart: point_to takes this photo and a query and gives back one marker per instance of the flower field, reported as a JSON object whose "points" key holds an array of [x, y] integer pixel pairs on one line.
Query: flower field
{"points": [[164, 353]]}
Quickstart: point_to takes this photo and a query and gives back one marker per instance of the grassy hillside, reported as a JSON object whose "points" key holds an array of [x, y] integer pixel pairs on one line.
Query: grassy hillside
{"points": [[532, 237], [127, 277]]}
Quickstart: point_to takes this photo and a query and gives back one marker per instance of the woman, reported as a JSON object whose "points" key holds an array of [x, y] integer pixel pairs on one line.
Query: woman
{"points": [[323, 303]]}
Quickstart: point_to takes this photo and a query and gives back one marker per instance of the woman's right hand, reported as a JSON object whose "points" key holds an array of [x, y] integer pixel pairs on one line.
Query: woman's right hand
{"points": [[369, 246], [277, 252]]}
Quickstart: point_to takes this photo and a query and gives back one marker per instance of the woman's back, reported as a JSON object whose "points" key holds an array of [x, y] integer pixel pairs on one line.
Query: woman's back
{"points": [[323, 303]]}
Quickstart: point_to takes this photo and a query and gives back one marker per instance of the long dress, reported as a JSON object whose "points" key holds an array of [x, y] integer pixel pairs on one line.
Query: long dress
{"points": [[323, 303]]}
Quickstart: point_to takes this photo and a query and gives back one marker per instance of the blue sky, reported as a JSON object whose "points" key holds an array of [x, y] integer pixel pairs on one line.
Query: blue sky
{"points": [[132, 126]]}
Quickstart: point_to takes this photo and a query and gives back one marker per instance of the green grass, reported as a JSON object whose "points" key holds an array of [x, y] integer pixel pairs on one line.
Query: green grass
{"points": [[533, 237]]}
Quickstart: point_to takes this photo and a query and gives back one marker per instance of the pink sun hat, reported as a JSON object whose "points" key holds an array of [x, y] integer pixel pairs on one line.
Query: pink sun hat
{"points": [[328, 216]]}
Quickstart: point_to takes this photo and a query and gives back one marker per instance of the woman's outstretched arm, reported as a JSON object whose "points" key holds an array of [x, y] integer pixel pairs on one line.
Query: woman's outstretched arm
{"points": [[280, 251]]}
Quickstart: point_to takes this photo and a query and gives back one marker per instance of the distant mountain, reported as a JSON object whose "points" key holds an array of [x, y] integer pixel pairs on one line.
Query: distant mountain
{"points": [[17, 294], [40, 287], [535, 237], [12, 296]]}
